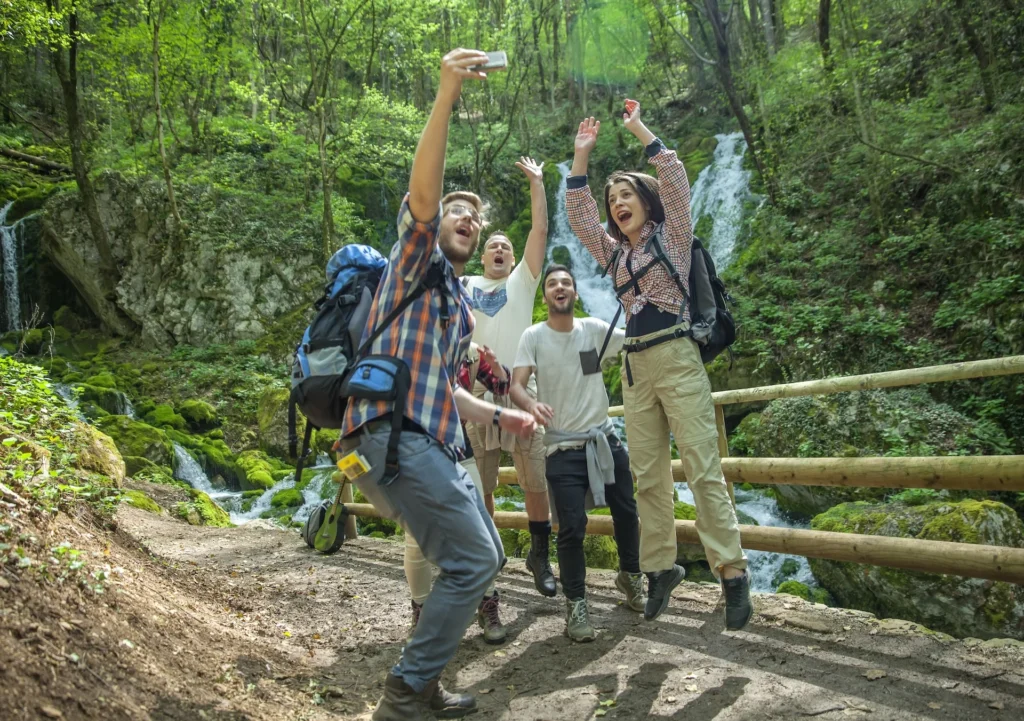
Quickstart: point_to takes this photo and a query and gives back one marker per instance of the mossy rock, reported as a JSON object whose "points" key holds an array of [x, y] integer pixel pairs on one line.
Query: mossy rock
{"points": [[102, 380], [144, 407], [199, 415], [952, 604], [136, 464], [135, 438], [202, 511], [72, 377], [272, 421], [111, 400], [98, 453], [281, 475], [287, 498], [216, 459], [795, 588], [257, 470], [140, 500], [67, 318], [164, 416], [790, 567], [600, 552], [150, 367], [216, 434], [31, 341]]}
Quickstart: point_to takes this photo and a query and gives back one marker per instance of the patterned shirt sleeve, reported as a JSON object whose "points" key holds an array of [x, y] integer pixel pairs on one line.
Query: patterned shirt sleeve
{"points": [[585, 220], [416, 243], [486, 375], [675, 197]]}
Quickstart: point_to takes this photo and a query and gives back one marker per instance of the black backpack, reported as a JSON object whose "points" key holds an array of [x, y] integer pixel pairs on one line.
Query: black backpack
{"points": [[711, 323]]}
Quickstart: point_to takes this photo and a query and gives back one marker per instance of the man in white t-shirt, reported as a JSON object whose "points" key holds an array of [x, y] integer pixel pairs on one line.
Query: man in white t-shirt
{"points": [[503, 308], [586, 461]]}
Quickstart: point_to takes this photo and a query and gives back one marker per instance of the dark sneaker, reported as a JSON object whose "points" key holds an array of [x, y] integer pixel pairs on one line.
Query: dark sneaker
{"points": [[632, 585], [659, 590], [399, 702], [577, 621], [416, 608], [449, 705], [488, 618], [538, 563], [738, 608]]}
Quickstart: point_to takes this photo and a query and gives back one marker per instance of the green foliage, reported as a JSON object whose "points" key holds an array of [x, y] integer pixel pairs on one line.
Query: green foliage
{"points": [[140, 500]]}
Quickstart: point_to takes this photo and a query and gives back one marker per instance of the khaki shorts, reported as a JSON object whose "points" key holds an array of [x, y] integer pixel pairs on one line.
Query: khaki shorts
{"points": [[528, 458]]}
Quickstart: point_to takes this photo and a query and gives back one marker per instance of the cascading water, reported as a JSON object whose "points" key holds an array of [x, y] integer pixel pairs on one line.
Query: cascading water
{"points": [[9, 251], [596, 291], [189, 470], [720, 192]]}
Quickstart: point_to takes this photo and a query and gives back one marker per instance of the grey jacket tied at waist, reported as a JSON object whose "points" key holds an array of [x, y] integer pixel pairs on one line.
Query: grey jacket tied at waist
{"points": [[600, 463]]}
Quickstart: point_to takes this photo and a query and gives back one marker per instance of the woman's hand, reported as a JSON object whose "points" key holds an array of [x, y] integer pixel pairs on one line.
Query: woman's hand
{"points": [[631, 119], [586, 136], [531, 169], [497, 369]]}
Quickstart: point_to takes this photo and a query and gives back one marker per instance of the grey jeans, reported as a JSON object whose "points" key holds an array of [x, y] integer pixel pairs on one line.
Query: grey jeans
{"points": [[434, 499]]}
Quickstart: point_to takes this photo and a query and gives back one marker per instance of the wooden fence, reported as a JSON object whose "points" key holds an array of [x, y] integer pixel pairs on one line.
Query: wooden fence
{"points": [[984, 473]]}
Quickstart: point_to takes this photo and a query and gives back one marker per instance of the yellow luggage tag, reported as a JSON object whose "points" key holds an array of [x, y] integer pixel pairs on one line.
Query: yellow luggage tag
{"points": [[353, 465]]}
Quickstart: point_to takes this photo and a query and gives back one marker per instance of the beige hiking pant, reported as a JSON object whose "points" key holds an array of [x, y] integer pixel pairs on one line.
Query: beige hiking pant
{"points": [[529, 459], [418, 572], [671, 392]]}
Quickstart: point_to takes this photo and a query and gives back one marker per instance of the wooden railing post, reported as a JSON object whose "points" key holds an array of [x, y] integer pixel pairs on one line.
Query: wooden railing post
{"points": [[723, 446]]}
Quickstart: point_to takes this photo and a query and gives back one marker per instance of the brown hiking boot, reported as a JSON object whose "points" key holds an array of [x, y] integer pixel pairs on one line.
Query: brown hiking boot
{"points": [[399, 702], [490, 621], [448, 705]]}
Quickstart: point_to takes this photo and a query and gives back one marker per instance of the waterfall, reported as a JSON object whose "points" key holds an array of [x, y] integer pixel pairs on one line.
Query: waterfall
{"points": [[596, 292], [9, 251], [720, 191], [189, 470]]}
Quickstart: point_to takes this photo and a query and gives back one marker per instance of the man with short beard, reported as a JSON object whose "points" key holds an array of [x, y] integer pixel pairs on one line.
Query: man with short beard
{"points": [[429, 494], [586, 461], [503, 300]]}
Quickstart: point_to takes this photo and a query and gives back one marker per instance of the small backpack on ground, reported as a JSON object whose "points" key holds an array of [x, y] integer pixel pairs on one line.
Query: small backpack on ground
{"points": [[711, 323]]}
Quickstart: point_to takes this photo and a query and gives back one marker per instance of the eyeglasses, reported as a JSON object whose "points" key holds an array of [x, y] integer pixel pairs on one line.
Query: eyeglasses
{"points": [[459, 210]]}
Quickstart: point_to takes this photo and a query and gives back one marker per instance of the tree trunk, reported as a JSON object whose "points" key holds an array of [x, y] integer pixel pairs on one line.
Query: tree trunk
{"points": [[769, 27], [824, 27], [779, 23], [67, 74], [724, 71], [980, 53], [160, 120], [325, 180]]}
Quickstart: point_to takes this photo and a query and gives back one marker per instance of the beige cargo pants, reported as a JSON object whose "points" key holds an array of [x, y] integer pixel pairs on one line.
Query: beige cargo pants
{"points": [[671, 392]]}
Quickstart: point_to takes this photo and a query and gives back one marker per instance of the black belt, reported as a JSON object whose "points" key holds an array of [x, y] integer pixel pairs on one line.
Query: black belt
{"points": [[644, 345]]}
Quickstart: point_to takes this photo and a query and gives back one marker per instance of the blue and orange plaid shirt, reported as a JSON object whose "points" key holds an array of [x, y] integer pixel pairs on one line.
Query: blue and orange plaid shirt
{"points": [[433, 349]]}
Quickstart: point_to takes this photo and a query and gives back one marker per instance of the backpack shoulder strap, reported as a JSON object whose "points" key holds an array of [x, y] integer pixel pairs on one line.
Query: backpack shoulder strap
{"points": [[655, 247], [608, 335]]}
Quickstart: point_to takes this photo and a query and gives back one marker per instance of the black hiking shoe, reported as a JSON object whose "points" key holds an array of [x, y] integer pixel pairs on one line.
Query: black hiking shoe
{"points": [[738, 608], [659, 590], [538, 563], [399, 702]]}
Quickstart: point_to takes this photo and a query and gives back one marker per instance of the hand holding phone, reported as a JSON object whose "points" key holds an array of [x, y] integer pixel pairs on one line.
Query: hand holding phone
{"points": [[629, 108], [495, 61]]}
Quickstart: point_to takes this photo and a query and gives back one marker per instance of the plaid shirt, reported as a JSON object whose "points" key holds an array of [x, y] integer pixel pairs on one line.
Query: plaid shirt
{"points": [[432, 350], [657, 285], [485, 374]]}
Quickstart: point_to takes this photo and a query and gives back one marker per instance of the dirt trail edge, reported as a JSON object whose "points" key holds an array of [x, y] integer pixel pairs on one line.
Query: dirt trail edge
{"points": [[247, 624]]}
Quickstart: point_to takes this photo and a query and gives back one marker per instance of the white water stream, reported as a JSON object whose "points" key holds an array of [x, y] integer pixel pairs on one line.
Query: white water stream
{"points": [[9, 251], [720, 192]]}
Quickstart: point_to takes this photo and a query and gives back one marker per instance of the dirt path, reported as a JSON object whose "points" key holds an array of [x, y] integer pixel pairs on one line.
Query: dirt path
{"points": [[343, 619], [247, 624]]}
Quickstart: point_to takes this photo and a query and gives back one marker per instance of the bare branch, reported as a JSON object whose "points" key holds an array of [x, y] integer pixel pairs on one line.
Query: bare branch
{"points": [[686, 40]]}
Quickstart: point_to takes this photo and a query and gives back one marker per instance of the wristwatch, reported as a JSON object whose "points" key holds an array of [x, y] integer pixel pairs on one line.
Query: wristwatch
{"points": [[497, 416]]}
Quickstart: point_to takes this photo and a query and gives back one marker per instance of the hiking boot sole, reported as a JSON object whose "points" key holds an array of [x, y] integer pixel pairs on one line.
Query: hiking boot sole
{"points": [[454, 712], [583, 639], [668, 593]]}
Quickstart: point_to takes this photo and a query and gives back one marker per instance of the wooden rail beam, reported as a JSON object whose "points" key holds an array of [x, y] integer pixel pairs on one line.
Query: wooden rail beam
{"points": [[959, 559], [969, 473], [891, 379]]}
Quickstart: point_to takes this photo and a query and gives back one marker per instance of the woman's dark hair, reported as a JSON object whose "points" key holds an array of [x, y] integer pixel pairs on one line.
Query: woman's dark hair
{"points": [[554, 268], [647, 189]]}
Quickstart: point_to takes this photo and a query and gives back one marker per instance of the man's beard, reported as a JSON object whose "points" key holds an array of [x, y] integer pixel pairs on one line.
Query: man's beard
{"points": [[453, 252], [554, 308]]}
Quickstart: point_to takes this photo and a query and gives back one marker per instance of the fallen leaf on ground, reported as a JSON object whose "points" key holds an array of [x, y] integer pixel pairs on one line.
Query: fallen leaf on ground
{"points": [[499, 654], [936, 706], [996, 705], [692, 689], [873, 674], [950, 684], [670, 699], [485, 690]]}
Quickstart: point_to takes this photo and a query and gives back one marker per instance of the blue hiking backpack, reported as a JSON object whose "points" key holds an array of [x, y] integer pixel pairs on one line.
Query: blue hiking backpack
{"points": [[330, 347]]}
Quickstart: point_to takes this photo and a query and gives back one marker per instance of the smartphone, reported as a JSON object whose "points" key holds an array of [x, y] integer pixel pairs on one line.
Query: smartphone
{"points": [[629, 106], [495, 60]]}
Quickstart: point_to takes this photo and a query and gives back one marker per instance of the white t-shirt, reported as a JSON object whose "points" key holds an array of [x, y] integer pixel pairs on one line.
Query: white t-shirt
{"points": [[579, 401], [503, 310]]}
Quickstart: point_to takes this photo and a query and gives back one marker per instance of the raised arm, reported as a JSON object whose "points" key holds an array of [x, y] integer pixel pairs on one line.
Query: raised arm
{"points": [[495, 377], [426, 182], [584, 217], [537, 241], [674, 192]]}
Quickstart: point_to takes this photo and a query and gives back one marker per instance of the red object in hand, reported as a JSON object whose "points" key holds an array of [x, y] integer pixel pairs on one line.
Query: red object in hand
{"points": [[631, 105]]}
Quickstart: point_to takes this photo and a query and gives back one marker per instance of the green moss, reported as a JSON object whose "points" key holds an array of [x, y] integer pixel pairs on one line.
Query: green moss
{"points": [[102, 380], [216, 434], [286, 498], [790, 567], [144, 407], [795, 588], [257, 469], [199, 415], [150, 367], [164, 416], [110, 400], [138, 499], [72, 377], [601, 552], [685, 512], [202, 511], [135, 438]]}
